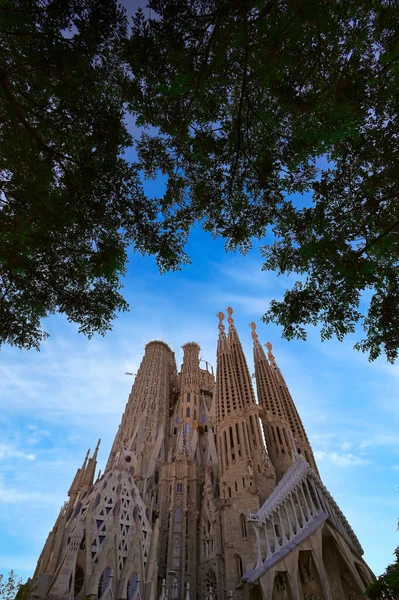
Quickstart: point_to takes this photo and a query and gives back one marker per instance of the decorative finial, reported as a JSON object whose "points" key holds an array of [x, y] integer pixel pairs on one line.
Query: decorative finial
{"points": [[98, 443], [269, 353], [253, 332], [230, 319], [220, 316]]}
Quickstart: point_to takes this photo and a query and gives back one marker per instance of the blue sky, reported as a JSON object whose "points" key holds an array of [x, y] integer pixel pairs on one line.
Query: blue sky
{"points": [[55, 404]]}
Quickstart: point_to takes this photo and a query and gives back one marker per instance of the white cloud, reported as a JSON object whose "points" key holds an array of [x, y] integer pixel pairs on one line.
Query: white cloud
{"points": [[7, 452], [346, 445], [343, 460]]}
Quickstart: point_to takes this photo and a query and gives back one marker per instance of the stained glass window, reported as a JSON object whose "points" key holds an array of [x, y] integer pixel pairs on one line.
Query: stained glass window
{"points": [[131, 585]]}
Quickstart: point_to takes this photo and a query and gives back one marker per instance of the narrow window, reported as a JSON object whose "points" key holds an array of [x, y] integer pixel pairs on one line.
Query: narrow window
{"points": [[243, 523], [252, 430], [225, 449], [187, 411], [239, 568], [231, 438], [176, 553], [238, 440], [279, 435], [178, 519], [188, 397]]}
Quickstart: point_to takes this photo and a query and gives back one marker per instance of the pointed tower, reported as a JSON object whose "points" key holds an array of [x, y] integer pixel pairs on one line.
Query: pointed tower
{"points": [[181, 480], [77, 481], [275, 423], [142, 430], [263, 469], [190, 391], [298, 431], [237, 481]]}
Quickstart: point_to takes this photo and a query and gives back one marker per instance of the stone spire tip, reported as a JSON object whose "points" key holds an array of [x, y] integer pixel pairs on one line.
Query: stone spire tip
{"points": [[221, 327], [270, 355], [253, 332]]}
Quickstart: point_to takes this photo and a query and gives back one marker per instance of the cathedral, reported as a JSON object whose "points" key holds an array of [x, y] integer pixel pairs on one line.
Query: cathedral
{"points": [[208, 494]]}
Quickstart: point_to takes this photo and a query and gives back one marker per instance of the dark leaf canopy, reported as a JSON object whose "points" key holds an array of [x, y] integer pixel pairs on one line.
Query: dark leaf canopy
{"points": [[70, 204], [253, 104]]}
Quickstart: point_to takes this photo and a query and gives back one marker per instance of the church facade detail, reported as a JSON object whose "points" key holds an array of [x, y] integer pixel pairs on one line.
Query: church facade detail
{"points": [[207, 494]]}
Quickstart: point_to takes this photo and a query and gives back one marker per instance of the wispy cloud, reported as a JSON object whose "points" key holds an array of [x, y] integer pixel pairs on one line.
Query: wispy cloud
{"points": [[343, 460], [7, 452]]}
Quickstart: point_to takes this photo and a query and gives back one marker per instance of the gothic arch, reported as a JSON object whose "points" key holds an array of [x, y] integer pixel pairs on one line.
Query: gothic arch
{"points": [[340, 574], [131, 585], [361, 571], [104, 580], [210, 581], [238, 566], [309, 583], [281, 586], [79, 579]]}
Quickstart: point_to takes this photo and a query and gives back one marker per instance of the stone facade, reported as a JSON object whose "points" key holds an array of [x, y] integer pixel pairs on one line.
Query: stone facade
{"points": [[193, 504]]}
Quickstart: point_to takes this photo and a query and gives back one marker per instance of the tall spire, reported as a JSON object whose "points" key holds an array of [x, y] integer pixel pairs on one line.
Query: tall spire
{"points": [[228, 391], [77, 480], [275, 423], [147, 410], [88, 475], [190, 392], [263, 470], [242, 371], [294, 420]]}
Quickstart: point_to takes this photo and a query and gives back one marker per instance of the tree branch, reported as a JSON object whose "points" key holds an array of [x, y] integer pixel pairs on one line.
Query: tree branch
{"points": [[5, 84], [204, 64], [242, 95], [378, 238]]}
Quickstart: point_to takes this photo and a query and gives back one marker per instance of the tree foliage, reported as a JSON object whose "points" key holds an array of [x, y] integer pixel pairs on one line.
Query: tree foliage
{"points": [[386, 587], [270, 120], [70, 203], [12, 588], [255, 103]]}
